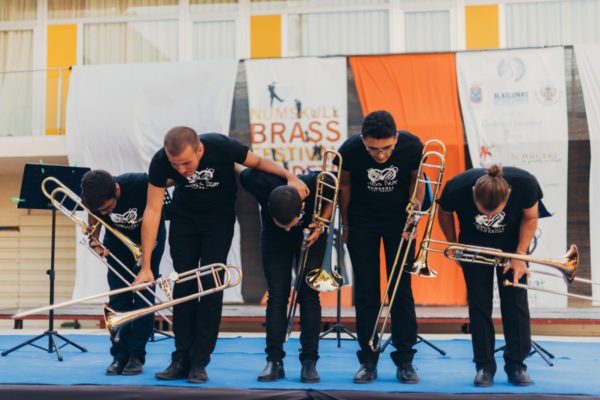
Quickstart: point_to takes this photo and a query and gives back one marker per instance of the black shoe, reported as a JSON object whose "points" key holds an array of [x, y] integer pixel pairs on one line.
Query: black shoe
{"points": [[309, 372], [519, 377], [197, 374], [406, 373], [176, 370], [135, 366], [367, 373], [484, 378], [272, 372], [115, 368]]}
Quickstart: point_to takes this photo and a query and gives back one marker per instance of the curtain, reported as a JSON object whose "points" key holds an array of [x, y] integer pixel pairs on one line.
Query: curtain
{"points": [[16, 96], [427, 31], [64, 9], [130, 42], [18, 10], [364, 32], [213, 40], [566, 22]]}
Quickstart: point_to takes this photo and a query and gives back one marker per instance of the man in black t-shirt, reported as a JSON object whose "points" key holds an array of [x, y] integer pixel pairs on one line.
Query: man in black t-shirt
{"points": [[497, 208], [378, 176], [120, 201], [284, 217], [201, 167]]}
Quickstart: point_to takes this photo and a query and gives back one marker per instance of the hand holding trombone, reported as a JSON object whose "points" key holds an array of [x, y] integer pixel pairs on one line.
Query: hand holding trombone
{"points": [[324, 278]]}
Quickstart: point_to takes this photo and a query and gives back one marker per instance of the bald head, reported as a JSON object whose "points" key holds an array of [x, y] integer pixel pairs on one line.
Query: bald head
{"points": [[179, 138]]}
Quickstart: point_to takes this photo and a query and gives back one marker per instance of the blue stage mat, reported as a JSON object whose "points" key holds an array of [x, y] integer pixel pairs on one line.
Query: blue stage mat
{"points": [[237, 361]]}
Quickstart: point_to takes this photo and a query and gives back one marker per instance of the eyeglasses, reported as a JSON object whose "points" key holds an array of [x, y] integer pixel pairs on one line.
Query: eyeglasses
{"points": [[384, 150]]}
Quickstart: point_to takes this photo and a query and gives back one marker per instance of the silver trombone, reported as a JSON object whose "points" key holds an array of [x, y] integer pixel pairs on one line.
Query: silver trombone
{"points": [[114, 320], [432, 158], [323, 278], [59, 198]]}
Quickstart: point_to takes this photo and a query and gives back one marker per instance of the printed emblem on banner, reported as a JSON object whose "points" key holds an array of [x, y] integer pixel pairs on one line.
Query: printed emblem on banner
{"points": [[202, 179], [476, 94], [382, 180], [485, 152], [490, 225], [128, 220], [511, 68], [548, 95]]}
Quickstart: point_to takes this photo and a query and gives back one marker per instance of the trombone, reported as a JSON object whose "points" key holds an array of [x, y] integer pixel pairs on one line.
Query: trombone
{"points": [[115, 320], [324, 278], [434, 158], [58, 198]]}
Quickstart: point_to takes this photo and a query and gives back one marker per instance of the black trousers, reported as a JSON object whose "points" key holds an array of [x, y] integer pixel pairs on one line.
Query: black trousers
{"points": [[515, 317], [134, 335], [364, 245], [200, 240], [279, 250]]}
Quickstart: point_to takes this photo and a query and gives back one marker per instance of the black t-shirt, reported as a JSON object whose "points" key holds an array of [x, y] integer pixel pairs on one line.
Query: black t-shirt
{"points": [[128, 213], [260, 185], [502, 230], [212, 188], [380, 192]]}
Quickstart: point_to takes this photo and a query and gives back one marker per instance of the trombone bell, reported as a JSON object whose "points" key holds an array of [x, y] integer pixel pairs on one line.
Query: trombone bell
{"points": [[322, 281]]}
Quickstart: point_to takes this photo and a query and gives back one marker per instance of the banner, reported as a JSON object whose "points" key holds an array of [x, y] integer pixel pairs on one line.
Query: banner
{"points": [[514, 106], [298, 109], [420, 92], [117, 116], [588, 59]]}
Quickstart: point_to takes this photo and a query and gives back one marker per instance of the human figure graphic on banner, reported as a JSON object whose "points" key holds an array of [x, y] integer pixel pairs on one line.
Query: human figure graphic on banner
{"points": [[202, 213], [498, 208], [120, 202], [273, 95], [298, 104]]}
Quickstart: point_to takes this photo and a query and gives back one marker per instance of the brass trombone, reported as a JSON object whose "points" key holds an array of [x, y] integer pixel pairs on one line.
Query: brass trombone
{"points": [[59, 197], [324, 278], [432, 158]]}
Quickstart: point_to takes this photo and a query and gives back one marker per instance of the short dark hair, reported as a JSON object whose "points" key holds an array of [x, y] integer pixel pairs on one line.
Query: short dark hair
{"points": [[379, 125], [285, 204], [97, 187], [491, 189], [178, 138]]}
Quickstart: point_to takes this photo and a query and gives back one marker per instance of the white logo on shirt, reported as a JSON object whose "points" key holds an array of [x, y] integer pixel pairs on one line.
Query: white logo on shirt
{"points": [[490, 225], [202, 179], [382, 180], [128, 220]]}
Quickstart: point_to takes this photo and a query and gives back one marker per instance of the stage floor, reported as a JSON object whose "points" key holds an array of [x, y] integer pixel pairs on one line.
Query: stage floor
{"points": [[238, 360]]}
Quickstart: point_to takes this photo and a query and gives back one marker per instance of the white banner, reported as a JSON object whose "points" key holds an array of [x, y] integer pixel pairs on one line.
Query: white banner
{"points": [[298, 109], [588, 60], [515, 111], [117, 116]]}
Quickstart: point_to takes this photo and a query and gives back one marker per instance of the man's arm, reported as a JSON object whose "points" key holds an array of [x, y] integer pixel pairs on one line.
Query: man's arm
{"points": [[150, 223], [271, 167], [446, 221], [526, 233], [94, 238], [344, 196]]}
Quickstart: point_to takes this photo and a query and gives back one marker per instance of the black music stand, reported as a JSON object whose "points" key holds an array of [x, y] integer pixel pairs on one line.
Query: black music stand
{"points": [[33, 198], [338, 328]]}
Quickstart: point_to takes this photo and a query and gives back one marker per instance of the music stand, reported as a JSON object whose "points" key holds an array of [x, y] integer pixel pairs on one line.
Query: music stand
{"points": [[338, 328], [33, 198]]}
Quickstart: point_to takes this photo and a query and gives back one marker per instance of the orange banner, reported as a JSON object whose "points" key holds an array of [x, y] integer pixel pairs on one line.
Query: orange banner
{"points": [[420, 91]]}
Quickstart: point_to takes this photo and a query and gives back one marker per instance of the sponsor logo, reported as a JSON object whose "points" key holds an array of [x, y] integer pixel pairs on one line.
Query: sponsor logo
{"points": [[476, 94], [511, 98], [511, 68], [548, 95]]}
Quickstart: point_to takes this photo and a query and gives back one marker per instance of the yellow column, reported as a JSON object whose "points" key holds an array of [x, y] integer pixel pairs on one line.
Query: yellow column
{"points": [[62, 53], [265, 36], [482, 27]]}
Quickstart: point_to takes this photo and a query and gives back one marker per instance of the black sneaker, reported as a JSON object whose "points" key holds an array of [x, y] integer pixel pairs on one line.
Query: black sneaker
{"points": [[406, 373], [367, 373], [519, 377], [176, 370], [135, 366], [197, 374], [309, 373], [483, 378], [115, 368], [272, 372]]}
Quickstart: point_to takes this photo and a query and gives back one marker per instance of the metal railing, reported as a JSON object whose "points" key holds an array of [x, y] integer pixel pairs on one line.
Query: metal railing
{"points": [[32, 102]]}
